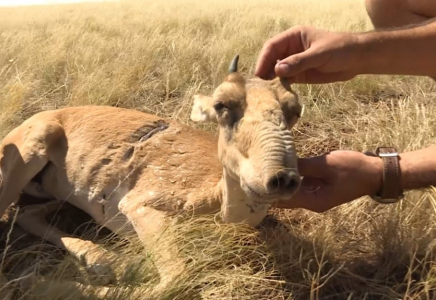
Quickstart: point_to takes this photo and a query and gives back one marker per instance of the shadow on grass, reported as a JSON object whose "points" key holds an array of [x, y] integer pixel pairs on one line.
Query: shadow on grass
{"points": [[278, 260], [319, 268]]}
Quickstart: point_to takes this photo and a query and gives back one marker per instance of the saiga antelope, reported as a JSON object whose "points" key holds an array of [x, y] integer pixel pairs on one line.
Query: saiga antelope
{"points": [[130, 170]]}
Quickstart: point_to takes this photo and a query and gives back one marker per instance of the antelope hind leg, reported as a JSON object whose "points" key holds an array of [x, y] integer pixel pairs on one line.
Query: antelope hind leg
{"points": [[32, 219], [24, 152], [5, 290]]}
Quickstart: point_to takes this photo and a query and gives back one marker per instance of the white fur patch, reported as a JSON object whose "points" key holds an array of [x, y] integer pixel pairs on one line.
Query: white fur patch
{"points": [[202, 109]]}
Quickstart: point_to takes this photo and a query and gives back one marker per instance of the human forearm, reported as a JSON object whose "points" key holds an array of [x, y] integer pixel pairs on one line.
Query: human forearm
{"points": [[343, 176], [408, 51], [418, 168]]}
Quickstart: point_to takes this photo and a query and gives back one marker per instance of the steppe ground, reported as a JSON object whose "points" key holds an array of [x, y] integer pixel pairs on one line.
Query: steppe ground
{"points": [[153, 56]]}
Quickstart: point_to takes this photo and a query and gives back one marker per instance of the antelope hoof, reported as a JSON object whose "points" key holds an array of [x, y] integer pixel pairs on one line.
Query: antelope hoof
{"points": [[101, 274]]}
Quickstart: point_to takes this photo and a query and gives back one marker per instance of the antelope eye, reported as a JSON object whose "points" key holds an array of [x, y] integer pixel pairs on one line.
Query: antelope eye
{"points": [[219, 106]]}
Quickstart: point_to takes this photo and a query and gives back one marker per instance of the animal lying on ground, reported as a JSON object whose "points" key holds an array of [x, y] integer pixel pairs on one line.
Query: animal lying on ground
{"points": [[131, 171]]}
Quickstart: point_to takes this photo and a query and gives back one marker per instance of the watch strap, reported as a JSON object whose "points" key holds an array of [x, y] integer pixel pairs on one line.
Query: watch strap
{"points": [[391, 186], [391, 173]]}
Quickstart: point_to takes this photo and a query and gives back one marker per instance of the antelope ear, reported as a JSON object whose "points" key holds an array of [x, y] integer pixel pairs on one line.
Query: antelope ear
{"points": [[203, 110], [288, 100]]}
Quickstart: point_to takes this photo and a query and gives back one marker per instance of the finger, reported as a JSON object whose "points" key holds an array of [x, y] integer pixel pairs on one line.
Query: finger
{"points": [[309, 189], [297, 201], [299, 63], [277, 48], [267, 60], [317, 201]]}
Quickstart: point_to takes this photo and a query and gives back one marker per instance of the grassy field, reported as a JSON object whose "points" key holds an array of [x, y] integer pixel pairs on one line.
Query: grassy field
{"points": [[153, 56]]}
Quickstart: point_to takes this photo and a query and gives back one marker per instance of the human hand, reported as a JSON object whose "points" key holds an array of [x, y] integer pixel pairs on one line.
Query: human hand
{"points": [[334, 179], [309, 55]]}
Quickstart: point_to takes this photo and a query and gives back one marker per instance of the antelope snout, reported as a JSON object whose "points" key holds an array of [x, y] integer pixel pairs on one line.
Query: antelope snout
{"points": [[282, 182]]}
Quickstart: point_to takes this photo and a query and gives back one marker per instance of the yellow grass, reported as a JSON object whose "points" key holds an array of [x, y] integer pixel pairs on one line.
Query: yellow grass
{"points": [[153, 56]]}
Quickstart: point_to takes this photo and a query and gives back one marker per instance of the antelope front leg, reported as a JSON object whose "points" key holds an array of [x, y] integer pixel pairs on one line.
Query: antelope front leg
{"points": [[32, 219], [74, 290], [41, 287], [151, 226]]}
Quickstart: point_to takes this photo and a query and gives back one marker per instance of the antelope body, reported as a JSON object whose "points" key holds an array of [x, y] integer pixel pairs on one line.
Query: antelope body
{"points": [[132, 171]]}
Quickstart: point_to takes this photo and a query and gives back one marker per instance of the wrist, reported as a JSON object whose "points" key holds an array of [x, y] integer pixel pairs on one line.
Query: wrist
{"points": [[391, 184], [418, 168], [355, 52], [370, 53]]}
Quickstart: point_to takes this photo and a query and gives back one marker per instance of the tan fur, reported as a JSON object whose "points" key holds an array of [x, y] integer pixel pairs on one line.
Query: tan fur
{"points": [[132, 171]]}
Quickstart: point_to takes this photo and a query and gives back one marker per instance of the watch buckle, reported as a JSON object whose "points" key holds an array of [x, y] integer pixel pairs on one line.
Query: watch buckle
{"points": [[393, 154]]}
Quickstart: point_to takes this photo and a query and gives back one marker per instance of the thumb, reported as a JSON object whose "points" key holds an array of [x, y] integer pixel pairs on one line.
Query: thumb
{"points": [[301, 199], [298, 63]]}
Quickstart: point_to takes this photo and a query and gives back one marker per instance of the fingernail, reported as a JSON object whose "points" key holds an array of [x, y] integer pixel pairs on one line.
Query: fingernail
{"points": [[283, 69]]}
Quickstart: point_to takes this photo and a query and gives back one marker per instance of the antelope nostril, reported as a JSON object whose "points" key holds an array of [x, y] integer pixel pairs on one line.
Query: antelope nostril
{"points": [[293, 184], [278, 181], [283, 181], [273, 183]]}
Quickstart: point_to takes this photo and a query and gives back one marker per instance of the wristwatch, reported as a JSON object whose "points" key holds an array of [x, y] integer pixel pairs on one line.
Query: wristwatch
{"points": [[391, 190]]}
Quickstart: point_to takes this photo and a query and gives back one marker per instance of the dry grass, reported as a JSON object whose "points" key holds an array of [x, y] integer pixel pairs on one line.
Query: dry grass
{"points": [[153, 56]]}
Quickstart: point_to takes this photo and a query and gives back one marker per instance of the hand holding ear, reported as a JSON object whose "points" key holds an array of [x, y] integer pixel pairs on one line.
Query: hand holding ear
{"points": [[309, 55]]}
